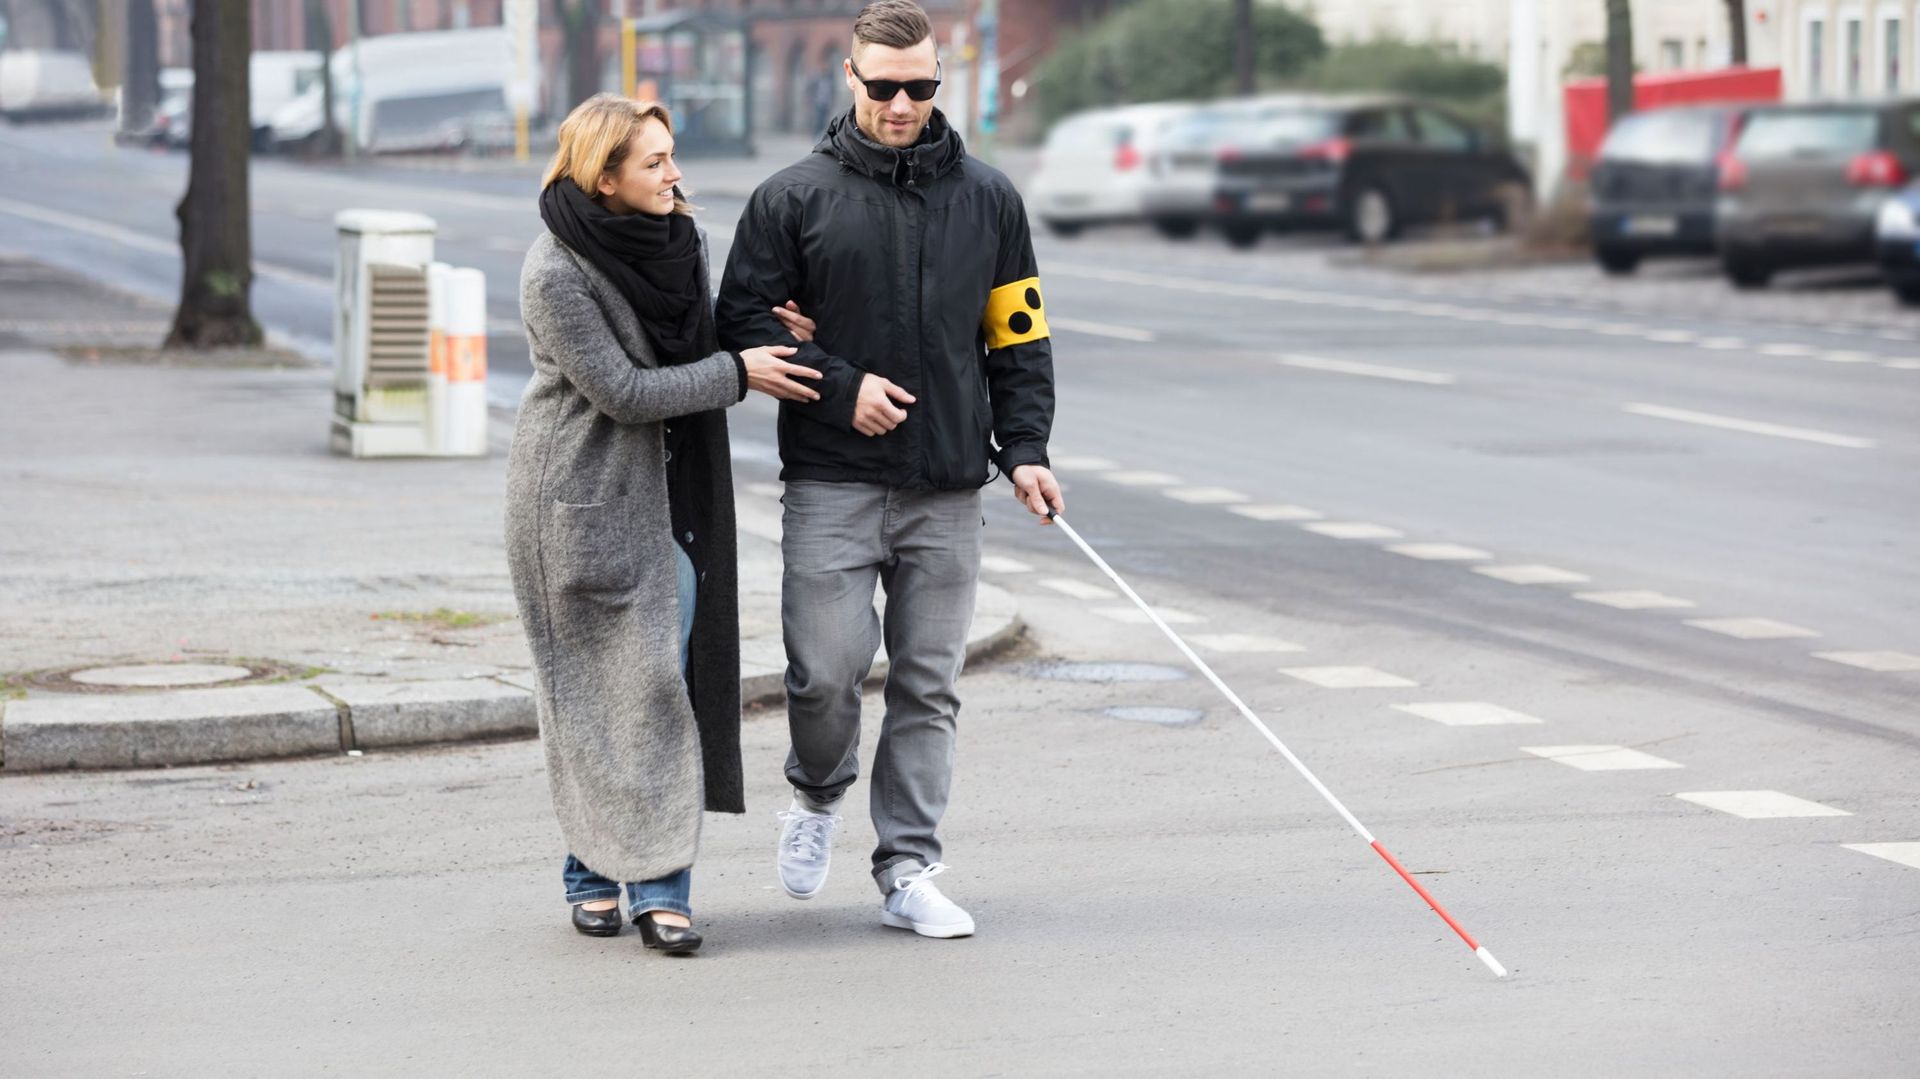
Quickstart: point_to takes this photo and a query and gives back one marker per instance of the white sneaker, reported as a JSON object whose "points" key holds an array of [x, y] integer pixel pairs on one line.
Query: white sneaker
{"points": [[917, 905], [806, 849]]}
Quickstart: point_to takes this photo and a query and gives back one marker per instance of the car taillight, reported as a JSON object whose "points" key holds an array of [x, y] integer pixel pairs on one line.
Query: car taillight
{"points": [[1876, 169], [1334, 150], [1733, 173], [1127, 159], [1229, 153]]}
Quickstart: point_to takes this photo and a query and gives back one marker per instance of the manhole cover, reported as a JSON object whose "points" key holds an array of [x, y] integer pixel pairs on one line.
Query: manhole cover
{"points": [[1106, 672], [161, 675], [1165, 717], [134, 677]]}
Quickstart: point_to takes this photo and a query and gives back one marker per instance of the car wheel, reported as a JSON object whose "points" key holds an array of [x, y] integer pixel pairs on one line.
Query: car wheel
{"points": [[1066, 230], [1615, 261], [1370, 216], [1177, 228], [1241, 234], [1746, 271]]}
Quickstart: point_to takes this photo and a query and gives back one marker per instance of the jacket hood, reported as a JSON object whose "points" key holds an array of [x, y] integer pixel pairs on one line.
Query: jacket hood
{"points": [[938, 152]]}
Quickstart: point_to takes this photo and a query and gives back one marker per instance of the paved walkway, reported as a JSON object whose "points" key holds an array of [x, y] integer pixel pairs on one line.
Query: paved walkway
{"points": [[180, 515]]}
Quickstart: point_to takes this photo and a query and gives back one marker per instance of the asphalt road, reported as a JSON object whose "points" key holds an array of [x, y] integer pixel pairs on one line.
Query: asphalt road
{"points": [[1614, 564]]}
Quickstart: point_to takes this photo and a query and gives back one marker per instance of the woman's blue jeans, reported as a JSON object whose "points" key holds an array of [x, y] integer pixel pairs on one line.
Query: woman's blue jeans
{"points": [[673, 891]]}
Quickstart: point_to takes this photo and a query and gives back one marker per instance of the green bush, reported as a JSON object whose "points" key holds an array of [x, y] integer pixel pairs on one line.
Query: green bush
{"points": [[1437, 73], [1171, 50]]}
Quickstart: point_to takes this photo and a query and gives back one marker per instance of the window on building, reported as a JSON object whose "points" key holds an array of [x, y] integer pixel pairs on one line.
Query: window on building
{"points": [[1855, 59], [1816, 57], [1892, 59], [1673, 54]]}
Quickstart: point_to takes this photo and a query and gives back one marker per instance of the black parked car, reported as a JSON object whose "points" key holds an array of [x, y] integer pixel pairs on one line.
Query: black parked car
{"points": [[1655, 182], [1804, 184], [1366, 165]]}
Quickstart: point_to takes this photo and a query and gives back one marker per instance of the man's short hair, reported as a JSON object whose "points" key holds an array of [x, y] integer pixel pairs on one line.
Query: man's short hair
{"points": [[897, 24]]}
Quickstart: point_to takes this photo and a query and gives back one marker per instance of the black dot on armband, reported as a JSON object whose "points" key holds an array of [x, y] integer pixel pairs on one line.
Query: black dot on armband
{"points": [[1033, 299], [1020, 322]]}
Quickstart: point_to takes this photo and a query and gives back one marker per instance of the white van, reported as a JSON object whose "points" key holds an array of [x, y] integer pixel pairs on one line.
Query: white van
{"points": [[273, 79], [417, 91], [46, 84]]}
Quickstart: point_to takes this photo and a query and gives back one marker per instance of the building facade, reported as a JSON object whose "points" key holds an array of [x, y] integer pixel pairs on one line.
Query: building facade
{"points": [[1840, 49]]}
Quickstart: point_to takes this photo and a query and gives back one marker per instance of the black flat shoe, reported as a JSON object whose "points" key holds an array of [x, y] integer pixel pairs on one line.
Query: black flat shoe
{"points": [[670, 939], [597, 923]]}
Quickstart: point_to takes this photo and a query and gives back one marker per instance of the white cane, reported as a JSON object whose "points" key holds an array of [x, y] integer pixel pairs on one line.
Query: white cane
{"points": [[1485, 955]]}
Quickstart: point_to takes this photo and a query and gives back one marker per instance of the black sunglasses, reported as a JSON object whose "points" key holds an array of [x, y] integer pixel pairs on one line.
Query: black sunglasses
{"points": [[886, 89]]}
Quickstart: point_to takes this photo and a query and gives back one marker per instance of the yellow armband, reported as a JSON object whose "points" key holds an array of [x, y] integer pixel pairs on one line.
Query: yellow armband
{"points": [[1014, 314]]}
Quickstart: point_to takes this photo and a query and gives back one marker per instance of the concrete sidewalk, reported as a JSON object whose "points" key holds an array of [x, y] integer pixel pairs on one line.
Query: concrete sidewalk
{"points": [[248, 593]]}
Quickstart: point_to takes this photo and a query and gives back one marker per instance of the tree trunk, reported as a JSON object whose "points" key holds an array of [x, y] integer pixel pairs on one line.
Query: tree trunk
{"points": [[320, 39], [1619, 59], [140, 92], [216, 241], [580, 30], [1243, 47], [1737, 32]]}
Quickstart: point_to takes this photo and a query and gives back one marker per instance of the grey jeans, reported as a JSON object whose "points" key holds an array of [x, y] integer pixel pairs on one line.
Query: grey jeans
{"points": [[923, 547]]}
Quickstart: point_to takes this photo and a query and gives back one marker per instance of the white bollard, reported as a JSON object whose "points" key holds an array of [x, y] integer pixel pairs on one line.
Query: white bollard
{"points": [[466, 364], [439, 284]]}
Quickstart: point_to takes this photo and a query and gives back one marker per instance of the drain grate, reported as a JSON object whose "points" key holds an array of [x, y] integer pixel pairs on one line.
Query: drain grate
{"points": [[146, 677]]}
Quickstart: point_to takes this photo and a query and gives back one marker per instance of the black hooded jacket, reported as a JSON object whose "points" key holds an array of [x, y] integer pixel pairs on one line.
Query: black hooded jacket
{"points": [[917, 266]]}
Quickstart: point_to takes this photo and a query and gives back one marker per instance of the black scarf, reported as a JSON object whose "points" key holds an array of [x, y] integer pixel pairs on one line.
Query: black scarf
{"points": [[654, 261]]}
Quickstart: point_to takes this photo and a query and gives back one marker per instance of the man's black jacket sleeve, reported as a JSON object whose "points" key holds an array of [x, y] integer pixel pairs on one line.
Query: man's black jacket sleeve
{"points": [[1019, 348], [764, 271]]}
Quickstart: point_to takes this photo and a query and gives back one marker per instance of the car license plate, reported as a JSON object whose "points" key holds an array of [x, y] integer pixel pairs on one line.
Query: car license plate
{"points": [[1650, 225], [1269, 201]]}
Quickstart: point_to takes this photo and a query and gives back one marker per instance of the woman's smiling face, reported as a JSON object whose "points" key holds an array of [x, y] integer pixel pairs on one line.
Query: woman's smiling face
{"points": [[645, 180]]}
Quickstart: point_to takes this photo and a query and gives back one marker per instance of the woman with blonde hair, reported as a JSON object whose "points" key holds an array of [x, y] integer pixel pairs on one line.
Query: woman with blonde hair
{"points": [[620, 528]]}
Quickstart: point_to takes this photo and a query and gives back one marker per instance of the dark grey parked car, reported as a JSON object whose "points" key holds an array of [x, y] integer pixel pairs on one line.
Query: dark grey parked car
{"points": [[1655, 182], [1366, 165], [1804, 183]]}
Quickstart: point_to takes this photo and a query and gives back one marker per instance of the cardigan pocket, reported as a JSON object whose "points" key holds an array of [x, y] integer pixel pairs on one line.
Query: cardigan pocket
{"points": [[589, 547]]}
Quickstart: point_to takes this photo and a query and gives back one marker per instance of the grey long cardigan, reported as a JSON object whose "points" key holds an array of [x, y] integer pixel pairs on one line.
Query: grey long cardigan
{"points": [[630, 759]]}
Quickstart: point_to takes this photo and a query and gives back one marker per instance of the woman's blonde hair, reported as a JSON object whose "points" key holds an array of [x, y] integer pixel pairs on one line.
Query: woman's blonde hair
{"points": [[596, 137]]}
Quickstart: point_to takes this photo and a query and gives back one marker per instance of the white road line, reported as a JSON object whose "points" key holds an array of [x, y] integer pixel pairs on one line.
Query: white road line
{"points": [[1532, 574], [1101, 329], [1752, 427], [1353, 530], [1205, 496], [1238, 643], [1904, 364], [143, 242], [1134, 616], [1468, 714], [1067, 586], [1634, 601], [1276, 513], [1601, 758], [1844, 356], [1620, 329], [1673, 337], [1082, 464], [994, 563], [1140, 479], [1721, 344], [1907, 854], [1347, 677], [1874, 661], [1788, 350], [1367, 370], [1439, 552], [1751, 629], [1760, 804]]}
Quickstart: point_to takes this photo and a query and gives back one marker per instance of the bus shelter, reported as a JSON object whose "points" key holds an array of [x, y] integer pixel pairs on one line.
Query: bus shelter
{"points": [[696, 63]]}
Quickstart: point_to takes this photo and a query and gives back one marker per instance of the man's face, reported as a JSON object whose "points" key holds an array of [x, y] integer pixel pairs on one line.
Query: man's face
{"points": [[897, 122]]}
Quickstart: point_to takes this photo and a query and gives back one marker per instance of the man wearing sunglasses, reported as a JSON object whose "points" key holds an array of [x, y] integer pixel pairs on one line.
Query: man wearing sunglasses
{"points": [[915, 261]]}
